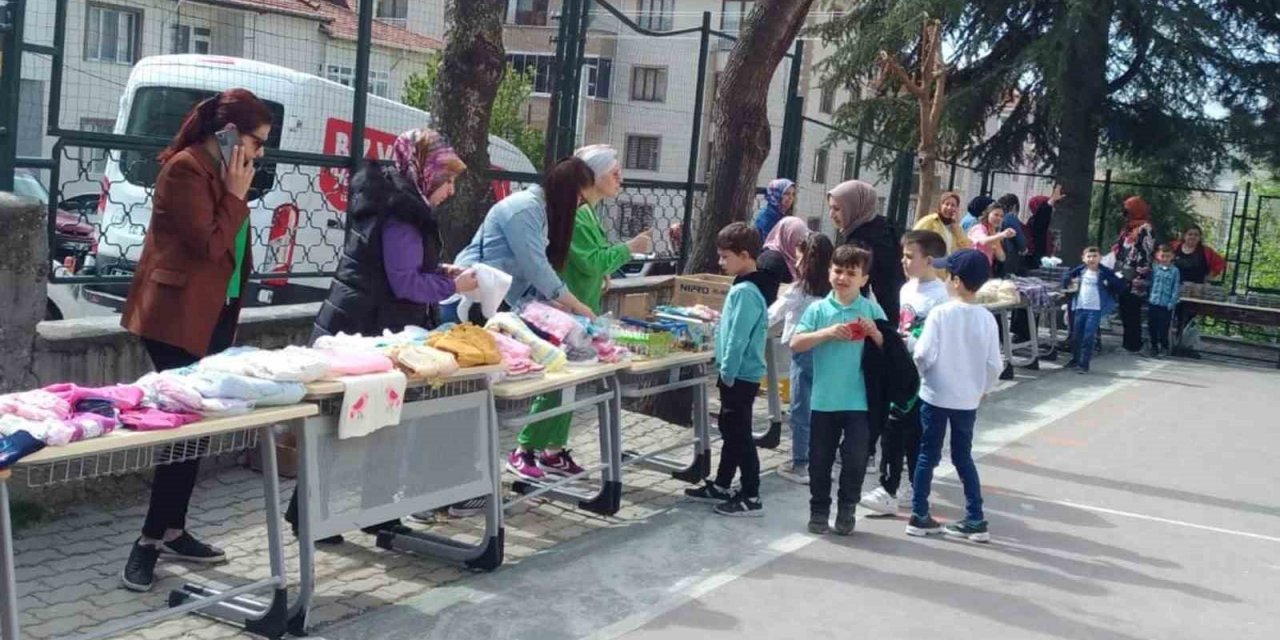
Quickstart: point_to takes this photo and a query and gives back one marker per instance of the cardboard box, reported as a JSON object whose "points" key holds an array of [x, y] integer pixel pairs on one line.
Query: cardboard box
{"points": [[702, 288], [635, 305]]}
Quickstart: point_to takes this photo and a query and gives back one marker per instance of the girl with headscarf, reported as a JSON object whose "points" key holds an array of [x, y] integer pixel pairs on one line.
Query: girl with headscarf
{"points": [[1133, 251], [946, 223], [975, 209], [778, 257], [591, 257], [852, 207], [779, 197], [390, 275]]}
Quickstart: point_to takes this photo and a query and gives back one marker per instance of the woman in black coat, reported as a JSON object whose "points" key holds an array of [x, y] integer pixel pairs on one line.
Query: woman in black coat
{"points": [[853, 211]]}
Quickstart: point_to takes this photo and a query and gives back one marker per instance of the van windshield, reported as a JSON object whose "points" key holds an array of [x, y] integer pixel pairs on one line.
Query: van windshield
{"points": [[159, 111]]}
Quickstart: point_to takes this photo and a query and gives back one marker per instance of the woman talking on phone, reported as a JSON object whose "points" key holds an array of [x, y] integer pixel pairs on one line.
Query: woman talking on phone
{"points": [[185, 299]]}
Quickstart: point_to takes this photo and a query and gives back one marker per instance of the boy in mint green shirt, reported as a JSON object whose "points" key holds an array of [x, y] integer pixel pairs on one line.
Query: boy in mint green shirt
{"points": [[740, 347], [836, 329]]}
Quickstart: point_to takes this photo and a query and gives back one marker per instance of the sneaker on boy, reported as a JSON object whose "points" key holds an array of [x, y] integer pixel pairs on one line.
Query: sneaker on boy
{"points": [[880, 502], [974, 531], [958, 357], [836, 330], [797, 473], [709, 492], [740, 344], [740, 506]]}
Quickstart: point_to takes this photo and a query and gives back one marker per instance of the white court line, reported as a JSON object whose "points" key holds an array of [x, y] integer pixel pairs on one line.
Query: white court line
{"points": [[1139, 516], [985, 443]]}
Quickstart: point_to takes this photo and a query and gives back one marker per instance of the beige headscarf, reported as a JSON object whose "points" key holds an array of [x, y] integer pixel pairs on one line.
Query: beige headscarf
{"points": [[857, 200]]}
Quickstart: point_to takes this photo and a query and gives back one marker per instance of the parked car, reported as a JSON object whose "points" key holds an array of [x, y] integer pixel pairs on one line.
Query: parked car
{"points": [[73, 234]]}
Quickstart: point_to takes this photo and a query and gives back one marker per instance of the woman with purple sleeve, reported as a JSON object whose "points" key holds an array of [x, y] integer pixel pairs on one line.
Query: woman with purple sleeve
{"points": [[390, 274]]}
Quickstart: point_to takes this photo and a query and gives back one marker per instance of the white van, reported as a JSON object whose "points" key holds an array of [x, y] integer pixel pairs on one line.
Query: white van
{"points": [[296, 211]]}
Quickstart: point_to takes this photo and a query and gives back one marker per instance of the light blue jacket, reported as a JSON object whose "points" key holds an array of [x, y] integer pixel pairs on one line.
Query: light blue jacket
{"points": [[740, 336], [513, 239]]}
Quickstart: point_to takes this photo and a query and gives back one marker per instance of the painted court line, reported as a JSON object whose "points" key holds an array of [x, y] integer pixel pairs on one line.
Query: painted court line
{"points": [[985, 443], [1139, 516]]}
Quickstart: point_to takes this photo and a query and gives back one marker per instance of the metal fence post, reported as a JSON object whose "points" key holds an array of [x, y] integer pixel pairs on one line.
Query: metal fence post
{"points": [[12, 17], [1244, 223], [951, 181], [695, 140], [360, 105], [792, 119], [1102, 215]]}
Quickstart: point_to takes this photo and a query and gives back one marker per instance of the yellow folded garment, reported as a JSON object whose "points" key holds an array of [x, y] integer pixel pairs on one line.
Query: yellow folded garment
{"points": [[422, 361], [471, 345]]}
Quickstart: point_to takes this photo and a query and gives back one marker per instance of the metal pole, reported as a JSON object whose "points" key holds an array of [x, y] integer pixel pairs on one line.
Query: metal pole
{"points": [[551, 142], [12, 16], [792, 122], [951, 182], [1253, 248], [1102, 215], [1244, 222], [571, 123], [360, 106], [699, 96], [55, 72]]}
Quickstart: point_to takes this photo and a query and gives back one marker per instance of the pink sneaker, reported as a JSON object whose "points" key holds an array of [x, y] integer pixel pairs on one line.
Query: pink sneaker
{"points": [[523, 464], [559, 463]]}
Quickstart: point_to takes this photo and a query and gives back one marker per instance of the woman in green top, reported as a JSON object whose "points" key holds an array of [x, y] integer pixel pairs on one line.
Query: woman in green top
{"points": [[585, 272]]}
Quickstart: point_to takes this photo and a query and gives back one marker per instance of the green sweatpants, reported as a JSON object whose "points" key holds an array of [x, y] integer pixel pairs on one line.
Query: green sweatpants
{"points": [[552, 433]]}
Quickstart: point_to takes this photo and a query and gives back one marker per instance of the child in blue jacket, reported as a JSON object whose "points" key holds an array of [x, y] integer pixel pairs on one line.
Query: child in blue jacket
{"points": [[740, 344], [1098, 289]]}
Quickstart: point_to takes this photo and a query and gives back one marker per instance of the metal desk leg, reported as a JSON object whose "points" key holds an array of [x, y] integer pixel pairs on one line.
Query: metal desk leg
{"points": [[306, 544], [267, 620], [773, 437], [8, 578], [1006, 345]]}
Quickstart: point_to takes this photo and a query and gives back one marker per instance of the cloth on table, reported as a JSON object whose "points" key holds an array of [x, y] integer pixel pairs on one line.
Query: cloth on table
{"points": [[290, 364], [998, 292], [1034, 292], [491, 288], [54, 432], [516, 356], [542, 352], [609, 352], [355, 362], [123, 397], [422, 361], [156, 419], [170, 391], [35, 405], [229, 386], [561, 328], [471, 345], [17, 446], [370, 402], [581, 356]]}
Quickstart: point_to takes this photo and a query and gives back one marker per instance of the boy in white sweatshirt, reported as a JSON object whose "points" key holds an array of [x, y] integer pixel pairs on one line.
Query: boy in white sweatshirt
{"points": [[958, 357]]}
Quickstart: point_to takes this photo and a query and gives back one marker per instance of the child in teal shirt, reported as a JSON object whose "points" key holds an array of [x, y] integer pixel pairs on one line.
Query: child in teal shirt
{"points": [[740, 340], [836, 329]]}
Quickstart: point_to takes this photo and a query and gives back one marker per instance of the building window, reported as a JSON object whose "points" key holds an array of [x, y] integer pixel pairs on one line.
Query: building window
{"points": [[343, 75], [189, 39], [655, 15], [112, 35], [599, 73], [642, 152], [380, 83], [94, 161], [820, 165], [529, 13], [827, 102], [733, 13], [649, 84], [634, 219], [393, 12], [850, 167]]}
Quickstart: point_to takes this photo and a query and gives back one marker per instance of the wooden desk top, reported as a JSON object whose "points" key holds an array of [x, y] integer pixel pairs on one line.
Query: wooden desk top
{"points": [[326, 389], [675, 360], [122, 439], [518, 389]]}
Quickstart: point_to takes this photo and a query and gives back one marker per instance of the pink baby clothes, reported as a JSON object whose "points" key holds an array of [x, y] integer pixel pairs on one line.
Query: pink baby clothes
{"points": [[156, 420], [123, 397], [516, 355], [170, 392], [609, 352], [87, 426], [543, 352], [558, 325], [35, 405], [355, 363], [370, 402], [50, 432]]}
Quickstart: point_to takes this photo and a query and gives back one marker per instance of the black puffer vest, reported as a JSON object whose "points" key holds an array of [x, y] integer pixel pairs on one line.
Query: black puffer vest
{"points": [[360, 298]]}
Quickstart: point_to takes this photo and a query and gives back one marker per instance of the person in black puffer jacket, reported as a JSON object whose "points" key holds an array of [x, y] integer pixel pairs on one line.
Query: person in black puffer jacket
{"points": [[390, 276]]}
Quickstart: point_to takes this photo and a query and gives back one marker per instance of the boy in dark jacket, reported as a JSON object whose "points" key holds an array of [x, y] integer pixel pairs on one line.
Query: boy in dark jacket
{"points": [[836, 330], [1097, 289]]}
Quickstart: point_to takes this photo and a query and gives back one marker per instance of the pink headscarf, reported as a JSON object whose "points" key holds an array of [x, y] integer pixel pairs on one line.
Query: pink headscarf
{"points": [[785, 237], [426, 159]]}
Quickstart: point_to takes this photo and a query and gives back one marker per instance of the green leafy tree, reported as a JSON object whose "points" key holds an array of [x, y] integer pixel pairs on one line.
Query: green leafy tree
{"points": [[506, 121], [1127, 80]]}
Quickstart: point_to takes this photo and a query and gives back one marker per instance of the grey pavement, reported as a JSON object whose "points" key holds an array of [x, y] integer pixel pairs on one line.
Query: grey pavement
{"points": [[1134, 502]]}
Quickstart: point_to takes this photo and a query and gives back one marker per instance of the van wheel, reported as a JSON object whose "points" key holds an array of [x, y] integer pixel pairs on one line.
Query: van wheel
{"points": [[51, 311]]}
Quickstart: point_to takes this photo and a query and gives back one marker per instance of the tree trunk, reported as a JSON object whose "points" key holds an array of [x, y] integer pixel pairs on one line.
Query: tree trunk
{"points": [[1082, 87], [740, 122], [927, 195], [470, 72]]}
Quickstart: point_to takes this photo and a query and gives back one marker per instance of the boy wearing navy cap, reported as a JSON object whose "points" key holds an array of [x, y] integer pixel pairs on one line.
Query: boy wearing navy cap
{"points": [[958, 357]]}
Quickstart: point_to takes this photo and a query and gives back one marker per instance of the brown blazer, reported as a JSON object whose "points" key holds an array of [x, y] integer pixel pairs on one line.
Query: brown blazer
{"points": [[180, 286]]}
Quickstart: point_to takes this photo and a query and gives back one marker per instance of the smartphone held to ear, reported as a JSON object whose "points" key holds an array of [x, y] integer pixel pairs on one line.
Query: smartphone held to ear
{"points": [[228, 138]]}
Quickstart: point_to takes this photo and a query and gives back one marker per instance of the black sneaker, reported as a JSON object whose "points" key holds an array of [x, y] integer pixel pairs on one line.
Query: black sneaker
{"points": [[186, 547], [708, 492], [468, 508], [139, 572], [818, 524], [925, 526], [971, 530], [740, 507], [844, 520]]}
